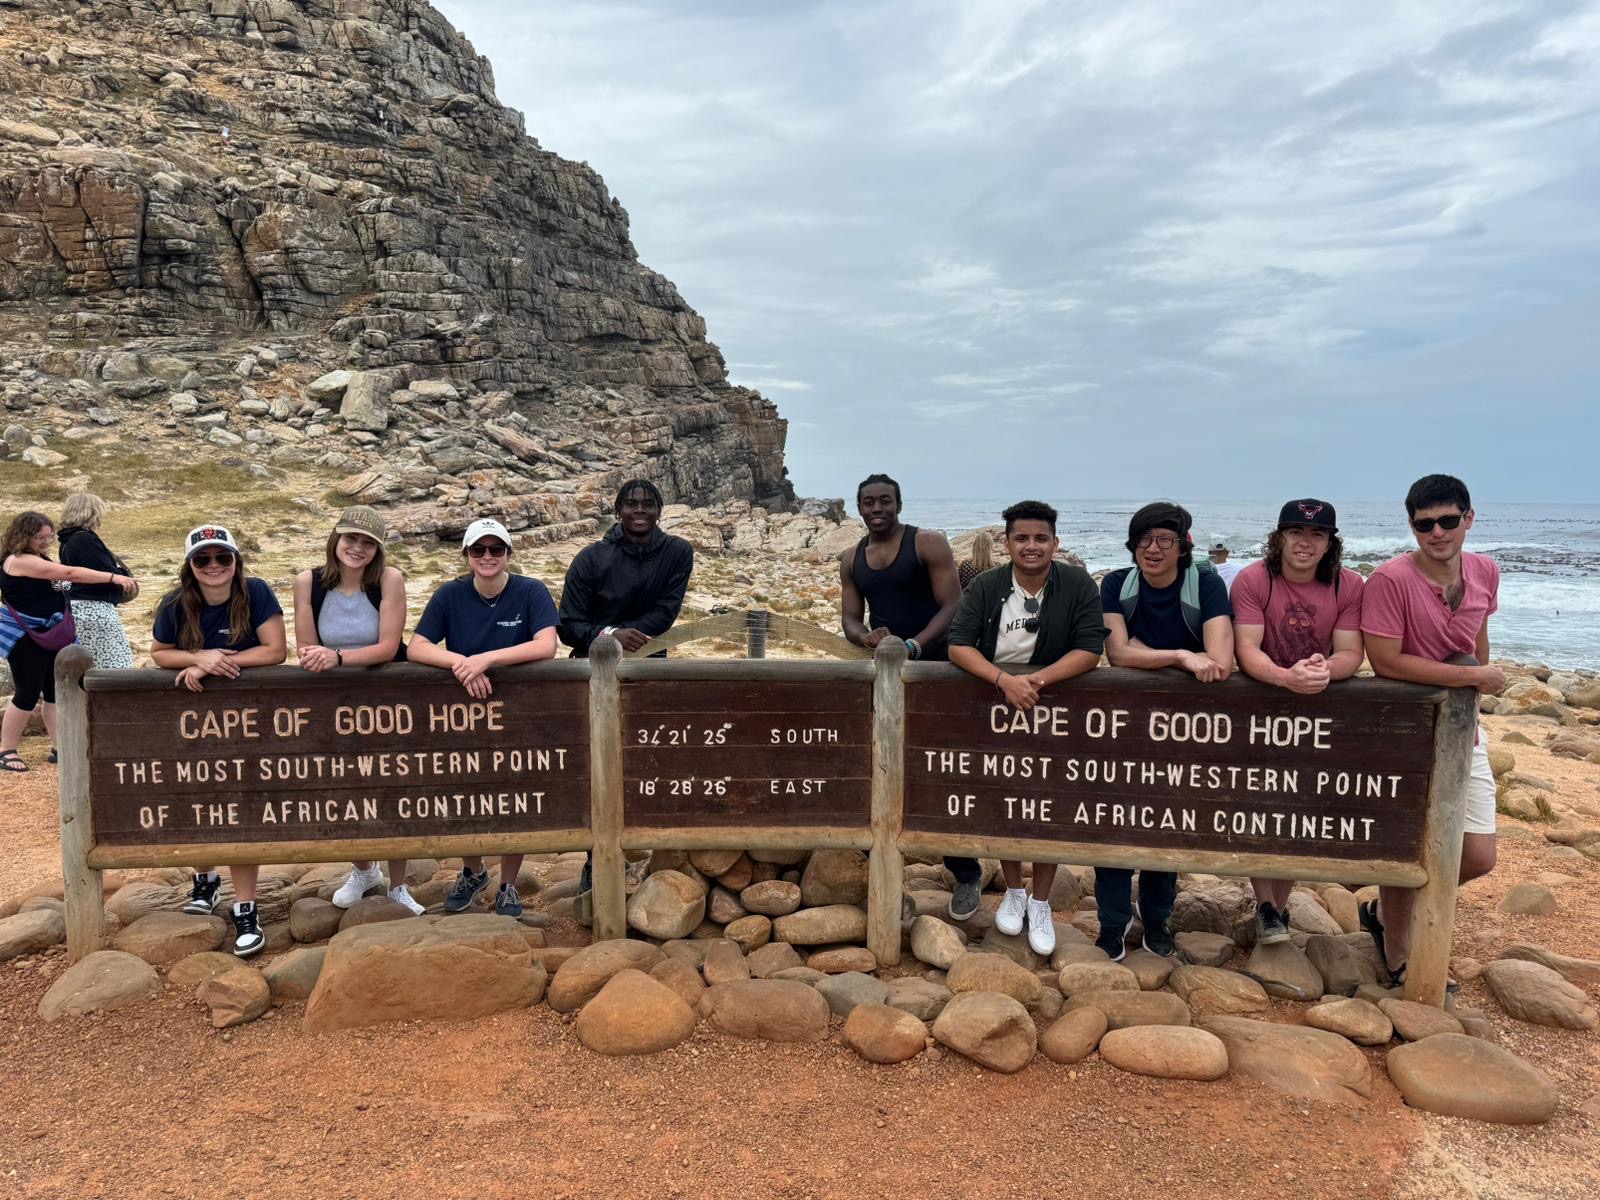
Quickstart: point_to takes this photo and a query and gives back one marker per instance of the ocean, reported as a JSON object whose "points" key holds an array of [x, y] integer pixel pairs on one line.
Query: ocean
{"points": [[1549, 556]]}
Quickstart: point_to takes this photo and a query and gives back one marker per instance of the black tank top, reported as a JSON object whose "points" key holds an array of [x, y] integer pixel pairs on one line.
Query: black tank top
{"points": [[899, 597], [36, 597]]}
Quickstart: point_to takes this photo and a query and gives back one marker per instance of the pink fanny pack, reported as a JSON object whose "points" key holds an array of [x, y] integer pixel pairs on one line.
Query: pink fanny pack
{"points": [[58, 637]]}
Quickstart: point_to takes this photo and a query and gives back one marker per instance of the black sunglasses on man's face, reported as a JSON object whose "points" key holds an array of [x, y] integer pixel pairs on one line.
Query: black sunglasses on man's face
{"points": [[1426, 524]]}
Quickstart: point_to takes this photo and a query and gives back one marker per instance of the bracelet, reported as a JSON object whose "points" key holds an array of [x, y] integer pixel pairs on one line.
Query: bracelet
{"points": [[913, 647], [338, 658]]}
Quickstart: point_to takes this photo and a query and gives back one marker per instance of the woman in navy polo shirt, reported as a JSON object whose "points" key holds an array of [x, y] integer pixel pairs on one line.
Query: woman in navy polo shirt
{"points": [[487, 618], [219, 621]]}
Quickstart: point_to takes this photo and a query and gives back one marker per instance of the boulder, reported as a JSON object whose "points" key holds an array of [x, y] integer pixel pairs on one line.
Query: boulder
{"points": [[1529, 900], [327, 388], [766, 961], [580, 978], [1284, 970], [773, 1010], [164, 937], [1166, 1052], [1342, 906], [1066, 956], [882, 1034], [1073, 1036], [724, 963], [1224, 908], [369, 910], [974, 972], [431, 968], [922, 998], [936, 942], [1211, 991], [1305, 913], [713, 862], [191, 972], [834, 877], [1585, 972], [312, 919], [1015, 945], [235, 997], [1204, 949], [365, 403], [682, 978], [634, 1014], [822, 926], [1126, 1009], [293, 976], [749, 933], [844, 992], [143, 897], [771, 898], [1532, 992], [1342, 969], [31, 931], [723, 907], [1362, 1021], [1413, 1021], [668, 904], [99, 982], [1151, 970], [1460, 1076], [1104, 976], [1312, 1064], [992, 1029], [836, 960]]}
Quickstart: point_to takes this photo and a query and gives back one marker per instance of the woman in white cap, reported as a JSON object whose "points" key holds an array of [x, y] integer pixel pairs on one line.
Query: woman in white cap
{"points": [[485, 619], [350, 612], [219, 621]]}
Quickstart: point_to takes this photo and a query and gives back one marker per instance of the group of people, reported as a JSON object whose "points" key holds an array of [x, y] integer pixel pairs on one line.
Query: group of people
{"points": [[219, 621], [1297, 618]]}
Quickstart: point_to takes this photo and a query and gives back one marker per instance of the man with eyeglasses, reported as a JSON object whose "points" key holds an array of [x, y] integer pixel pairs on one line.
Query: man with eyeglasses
{"points": [[1163, 611], [1040, 613], [1419, 611]]}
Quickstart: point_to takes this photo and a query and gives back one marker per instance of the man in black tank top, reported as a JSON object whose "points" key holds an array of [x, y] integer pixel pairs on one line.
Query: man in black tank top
{"points": [[900, 581]]}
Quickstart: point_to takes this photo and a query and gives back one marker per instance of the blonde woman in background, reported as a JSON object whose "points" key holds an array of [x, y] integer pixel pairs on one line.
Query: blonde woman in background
{"points": [[979, 559], [94, 605]]}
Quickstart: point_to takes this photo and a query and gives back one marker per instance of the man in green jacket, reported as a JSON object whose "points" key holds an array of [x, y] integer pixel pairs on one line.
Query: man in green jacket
{"points": [[1032, 612]]}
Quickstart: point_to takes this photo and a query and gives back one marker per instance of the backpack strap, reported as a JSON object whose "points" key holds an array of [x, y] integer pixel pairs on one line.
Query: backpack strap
{"points": [[1129, 597], [318, 595], [1188, 598]]}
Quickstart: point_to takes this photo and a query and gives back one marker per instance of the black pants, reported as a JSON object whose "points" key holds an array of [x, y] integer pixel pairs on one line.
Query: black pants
{"points": [[34, 673], [966, 870], [1113, 894]]}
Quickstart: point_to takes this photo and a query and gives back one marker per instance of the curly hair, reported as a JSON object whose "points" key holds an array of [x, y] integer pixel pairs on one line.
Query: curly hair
{"points": [[21, 531], [1327, 568]]}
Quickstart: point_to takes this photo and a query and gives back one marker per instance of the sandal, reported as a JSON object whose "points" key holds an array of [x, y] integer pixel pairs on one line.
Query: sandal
{"points": [[11, 762], [52, 756]]}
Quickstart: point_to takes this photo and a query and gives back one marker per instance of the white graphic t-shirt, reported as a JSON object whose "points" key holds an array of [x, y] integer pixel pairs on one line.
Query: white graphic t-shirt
{"points": [[1015, 642]]}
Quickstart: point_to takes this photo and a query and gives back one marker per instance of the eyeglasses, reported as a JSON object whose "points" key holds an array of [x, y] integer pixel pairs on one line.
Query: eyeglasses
{"points": [[1426, 524], [222, 558], [1163, 541], [492, 549]]}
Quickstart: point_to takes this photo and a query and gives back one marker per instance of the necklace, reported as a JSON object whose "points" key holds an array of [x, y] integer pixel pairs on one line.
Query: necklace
{"points": [[498, 596]]}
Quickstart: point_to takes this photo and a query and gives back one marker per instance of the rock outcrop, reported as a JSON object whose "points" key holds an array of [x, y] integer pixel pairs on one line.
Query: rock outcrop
{"points": [[306, 232]]}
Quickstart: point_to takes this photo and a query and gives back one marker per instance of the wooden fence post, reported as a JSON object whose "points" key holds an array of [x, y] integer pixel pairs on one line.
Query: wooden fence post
{"points": [[755, 626], [605, 790], [83, 893], [1433, 917], [886, 869]]}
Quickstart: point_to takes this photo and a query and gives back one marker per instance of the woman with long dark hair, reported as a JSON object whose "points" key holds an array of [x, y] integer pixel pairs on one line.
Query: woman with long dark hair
{"points": [[350, 612], [219, 621], [36, 625]]}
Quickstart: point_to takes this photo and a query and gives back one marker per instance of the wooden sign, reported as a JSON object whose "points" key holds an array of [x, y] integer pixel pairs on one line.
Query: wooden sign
{"points": [[283, 756], [710, 753], [1150, 759]]}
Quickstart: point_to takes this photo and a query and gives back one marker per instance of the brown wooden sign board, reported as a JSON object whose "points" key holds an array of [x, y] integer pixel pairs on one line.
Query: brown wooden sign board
{"points": [[287, 757]]}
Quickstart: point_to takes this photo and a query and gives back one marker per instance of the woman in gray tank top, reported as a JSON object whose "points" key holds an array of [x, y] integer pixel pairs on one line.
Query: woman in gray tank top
{"points": [[338, 624]]}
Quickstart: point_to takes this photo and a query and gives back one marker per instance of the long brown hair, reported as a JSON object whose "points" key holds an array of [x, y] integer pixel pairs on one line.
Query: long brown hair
{"points": [[20, 532], [371, 577], [191, 602], [1327, 567]]}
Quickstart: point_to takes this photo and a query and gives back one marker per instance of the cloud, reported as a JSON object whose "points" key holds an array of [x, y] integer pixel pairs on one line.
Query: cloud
{"points": [[1106, 242]]}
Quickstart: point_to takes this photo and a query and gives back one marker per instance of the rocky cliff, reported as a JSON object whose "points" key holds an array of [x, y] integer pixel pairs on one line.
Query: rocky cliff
{"points": [[306, 232]]}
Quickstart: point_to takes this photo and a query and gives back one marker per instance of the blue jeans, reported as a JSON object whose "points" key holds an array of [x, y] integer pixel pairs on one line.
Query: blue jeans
{"points": [[1113, 892]]}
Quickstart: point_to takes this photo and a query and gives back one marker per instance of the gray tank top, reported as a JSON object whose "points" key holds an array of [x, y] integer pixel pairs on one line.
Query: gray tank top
{"points": [[347, 622]]}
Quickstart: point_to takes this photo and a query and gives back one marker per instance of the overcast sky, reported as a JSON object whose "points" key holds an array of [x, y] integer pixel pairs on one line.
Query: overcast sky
{"points": [[1111, 250]]}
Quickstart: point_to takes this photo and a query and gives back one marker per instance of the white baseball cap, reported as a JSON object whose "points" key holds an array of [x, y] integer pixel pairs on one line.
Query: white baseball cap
{"points": [[1219, 544], [482, 528], [202, 536]]}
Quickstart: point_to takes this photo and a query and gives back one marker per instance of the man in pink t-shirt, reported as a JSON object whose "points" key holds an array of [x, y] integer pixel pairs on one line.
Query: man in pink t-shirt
{"points": [[1419, 610], [1296, 625]]}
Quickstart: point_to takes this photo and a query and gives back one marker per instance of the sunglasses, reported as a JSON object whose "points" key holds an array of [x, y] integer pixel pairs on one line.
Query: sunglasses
{"points": [[1030, 605], [222, 558], [1426, 524], [494, 550], [1164, 541]]}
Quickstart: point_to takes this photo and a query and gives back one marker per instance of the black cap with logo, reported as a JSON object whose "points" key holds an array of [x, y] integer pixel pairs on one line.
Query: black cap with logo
{"points": [[1318, 514]]}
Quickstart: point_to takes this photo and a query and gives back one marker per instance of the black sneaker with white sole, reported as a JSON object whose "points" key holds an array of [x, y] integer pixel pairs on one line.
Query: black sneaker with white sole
{"points": [[1271, 928], [464, 890], [1114, 941], [247, 935], [203, 895], [964, 901], [1158, 940]]}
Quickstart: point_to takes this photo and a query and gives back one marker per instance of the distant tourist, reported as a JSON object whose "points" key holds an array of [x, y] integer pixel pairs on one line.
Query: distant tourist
{"points": [[1035, 612], [350, 612], [1163, 611], [487, 618], [219, 621], [1229, 571], [36, 625], [900, 581], [631, 582], [1420, 610], [94, 605], [1296, 625], [979, 559]]}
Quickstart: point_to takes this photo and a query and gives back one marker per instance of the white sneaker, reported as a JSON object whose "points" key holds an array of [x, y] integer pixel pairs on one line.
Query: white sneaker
{"points": [[1041, 927], [402, 895], [1008, 917], [357, 885]]}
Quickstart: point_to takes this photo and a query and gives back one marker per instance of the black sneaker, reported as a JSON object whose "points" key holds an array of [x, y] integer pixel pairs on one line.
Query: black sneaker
{"points": [[464, 890], [247, 936], [506, 902], [583, 902], [1271, 926], [1114, 942], [964, 901], [203, 895], [1158, 941]]}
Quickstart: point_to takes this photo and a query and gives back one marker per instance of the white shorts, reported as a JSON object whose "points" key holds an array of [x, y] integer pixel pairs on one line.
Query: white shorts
{"points": [[1480, 792]]}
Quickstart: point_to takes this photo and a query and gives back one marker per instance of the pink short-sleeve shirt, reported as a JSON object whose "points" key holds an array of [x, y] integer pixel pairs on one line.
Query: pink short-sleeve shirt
{"points": [[1297, 619], [1400, 602]]}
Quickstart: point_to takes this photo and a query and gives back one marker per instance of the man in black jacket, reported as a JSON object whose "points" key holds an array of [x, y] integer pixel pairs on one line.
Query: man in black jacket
{"points": [[629, 584], [1037, 612]]}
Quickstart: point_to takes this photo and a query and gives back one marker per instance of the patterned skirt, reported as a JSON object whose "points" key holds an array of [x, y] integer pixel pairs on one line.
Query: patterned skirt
{"points": [[100, 632]]}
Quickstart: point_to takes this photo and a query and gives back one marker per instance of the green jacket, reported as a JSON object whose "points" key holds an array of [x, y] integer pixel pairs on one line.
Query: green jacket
{"points": [[1070, 617]]}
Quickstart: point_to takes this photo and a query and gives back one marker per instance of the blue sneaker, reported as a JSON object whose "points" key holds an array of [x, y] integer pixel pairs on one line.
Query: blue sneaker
{"points": [[506, 903], [464, 890]]}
